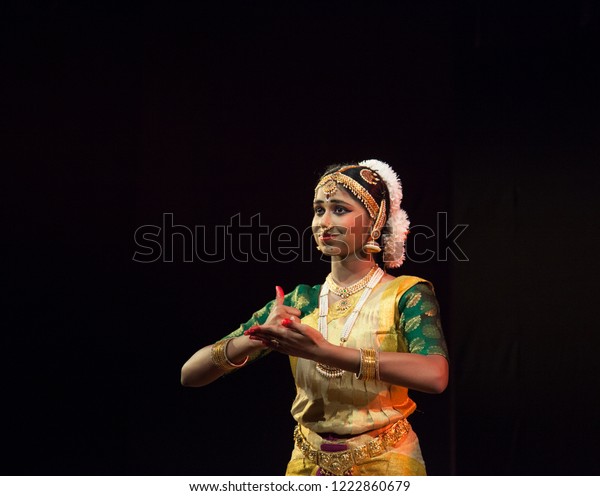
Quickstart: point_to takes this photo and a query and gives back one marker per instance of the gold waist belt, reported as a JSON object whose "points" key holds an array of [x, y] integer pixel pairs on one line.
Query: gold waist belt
{"points": [[341, 462]]}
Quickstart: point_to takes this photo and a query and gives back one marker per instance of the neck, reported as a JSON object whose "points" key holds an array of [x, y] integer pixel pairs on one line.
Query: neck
{"points": [[351, 269]]}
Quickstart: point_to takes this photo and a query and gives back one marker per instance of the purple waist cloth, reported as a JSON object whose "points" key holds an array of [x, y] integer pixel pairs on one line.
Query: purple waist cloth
{"points": [[333, 448]]}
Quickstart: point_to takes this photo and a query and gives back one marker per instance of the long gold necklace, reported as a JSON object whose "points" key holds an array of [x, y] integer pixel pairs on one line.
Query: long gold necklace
{"points": [[326, 370], [346, 292]]}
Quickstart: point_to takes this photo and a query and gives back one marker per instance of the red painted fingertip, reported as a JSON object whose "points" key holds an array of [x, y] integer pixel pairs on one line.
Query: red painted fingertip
{"points": [[252, 330], [279, 292], [286, 322]]}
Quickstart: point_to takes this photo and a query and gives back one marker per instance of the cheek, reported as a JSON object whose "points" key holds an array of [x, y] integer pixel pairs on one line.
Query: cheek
{"points": [[360, 225], [315, 223], [315, 226]]}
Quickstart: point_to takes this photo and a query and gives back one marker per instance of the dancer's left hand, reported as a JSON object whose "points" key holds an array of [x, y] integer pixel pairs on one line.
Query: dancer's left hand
{"points": [[290, 337]]}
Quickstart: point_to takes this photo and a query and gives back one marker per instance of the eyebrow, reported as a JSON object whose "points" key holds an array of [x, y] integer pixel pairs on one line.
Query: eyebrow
{"points": [[341, 202]]}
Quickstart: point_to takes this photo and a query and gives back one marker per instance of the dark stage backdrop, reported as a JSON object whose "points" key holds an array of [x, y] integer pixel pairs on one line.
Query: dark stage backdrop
{"points": [[171, 120]]}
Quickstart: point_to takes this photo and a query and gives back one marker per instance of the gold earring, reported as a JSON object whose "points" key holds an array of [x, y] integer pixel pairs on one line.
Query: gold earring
{"points": [[372, 246]]}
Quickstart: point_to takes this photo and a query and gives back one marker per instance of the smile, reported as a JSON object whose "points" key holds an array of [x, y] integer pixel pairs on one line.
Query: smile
{"points": [[327, 236]]}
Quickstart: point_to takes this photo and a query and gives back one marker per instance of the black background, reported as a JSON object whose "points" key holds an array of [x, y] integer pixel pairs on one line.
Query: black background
{"points": [[113, 116]]}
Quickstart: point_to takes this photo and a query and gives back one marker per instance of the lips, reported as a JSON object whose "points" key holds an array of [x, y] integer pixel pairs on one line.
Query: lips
{"points": [[327, 236]]}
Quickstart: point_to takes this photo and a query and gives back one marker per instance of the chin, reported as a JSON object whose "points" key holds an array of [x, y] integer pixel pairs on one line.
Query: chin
{"points": [[330, 250]]}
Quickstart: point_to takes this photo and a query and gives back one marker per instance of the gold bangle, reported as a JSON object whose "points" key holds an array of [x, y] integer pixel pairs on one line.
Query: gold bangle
{"points": [[218, 354], [369, 365]]}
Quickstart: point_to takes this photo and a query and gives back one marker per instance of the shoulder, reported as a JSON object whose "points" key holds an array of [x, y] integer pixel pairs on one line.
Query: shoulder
{"points": [[304, 289], [418, 296], [304, 297], [409, 289], [402, 284]]}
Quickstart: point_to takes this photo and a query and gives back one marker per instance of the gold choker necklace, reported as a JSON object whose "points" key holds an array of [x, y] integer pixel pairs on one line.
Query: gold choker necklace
{"points": [[348, 291]]}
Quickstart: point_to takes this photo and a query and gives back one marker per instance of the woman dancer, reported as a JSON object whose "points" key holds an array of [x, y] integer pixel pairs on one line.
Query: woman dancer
{"points": [[356, 343]]}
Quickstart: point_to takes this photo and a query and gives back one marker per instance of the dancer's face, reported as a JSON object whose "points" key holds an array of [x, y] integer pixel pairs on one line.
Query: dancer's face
{"points": [[341, 224]]}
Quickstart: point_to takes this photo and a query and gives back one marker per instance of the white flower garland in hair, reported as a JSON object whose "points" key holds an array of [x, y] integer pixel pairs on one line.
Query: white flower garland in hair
{"points": [[397, 224]]}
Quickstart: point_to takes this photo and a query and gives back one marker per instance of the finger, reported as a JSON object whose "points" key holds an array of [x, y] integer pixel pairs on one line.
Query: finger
{"points": [[266, 337], [251, 330], [279, 295], [273, 344], [263, 341], [292, 325], [292, 311], [267, 332]]}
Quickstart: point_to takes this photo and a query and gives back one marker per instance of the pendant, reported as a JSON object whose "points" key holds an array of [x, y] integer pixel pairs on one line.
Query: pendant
{"points": [[342, 305]]}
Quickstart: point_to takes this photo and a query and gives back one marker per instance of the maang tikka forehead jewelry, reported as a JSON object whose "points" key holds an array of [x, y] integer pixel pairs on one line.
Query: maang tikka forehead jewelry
{"points": [[330, 183], [330, 188]]}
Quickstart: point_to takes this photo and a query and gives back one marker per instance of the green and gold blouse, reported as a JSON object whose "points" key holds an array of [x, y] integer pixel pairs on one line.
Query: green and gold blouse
{"points": [[400, 315]]}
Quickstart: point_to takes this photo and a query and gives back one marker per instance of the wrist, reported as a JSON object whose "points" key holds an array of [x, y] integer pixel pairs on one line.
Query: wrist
{"points": [[339, 357], [222, 359], [323, 351], [243, 346]]}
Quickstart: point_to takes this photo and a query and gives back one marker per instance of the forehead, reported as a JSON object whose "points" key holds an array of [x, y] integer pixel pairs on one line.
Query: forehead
{"points": [[341, 195]]}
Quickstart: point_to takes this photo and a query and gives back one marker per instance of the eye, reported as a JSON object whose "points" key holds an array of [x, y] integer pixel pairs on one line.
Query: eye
{"points": [[319, 210], [339, 210]]}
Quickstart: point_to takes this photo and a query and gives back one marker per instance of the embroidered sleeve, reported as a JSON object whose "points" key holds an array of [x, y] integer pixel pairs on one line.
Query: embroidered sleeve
{"points": [[304, 298], [420, 323]]}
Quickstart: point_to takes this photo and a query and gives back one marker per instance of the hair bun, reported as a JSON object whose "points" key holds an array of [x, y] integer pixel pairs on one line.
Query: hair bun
{"points": [[394, 252]]}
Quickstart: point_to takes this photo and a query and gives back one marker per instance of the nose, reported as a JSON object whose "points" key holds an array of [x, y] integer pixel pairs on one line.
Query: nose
{"points": [[325, 220]]}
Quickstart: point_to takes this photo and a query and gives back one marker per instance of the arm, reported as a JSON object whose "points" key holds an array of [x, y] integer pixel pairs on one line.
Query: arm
{"points": [[423, 366], [200, 369], [426, 373]]}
